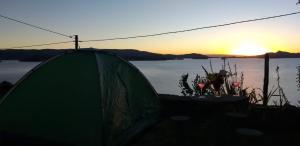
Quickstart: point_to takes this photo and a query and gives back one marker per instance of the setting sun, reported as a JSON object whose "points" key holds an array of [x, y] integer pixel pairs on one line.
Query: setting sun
{"points": [[248, 49]]}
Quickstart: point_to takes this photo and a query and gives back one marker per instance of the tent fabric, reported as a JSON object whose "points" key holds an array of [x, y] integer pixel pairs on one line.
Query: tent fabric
{"points": [[80, 98]]}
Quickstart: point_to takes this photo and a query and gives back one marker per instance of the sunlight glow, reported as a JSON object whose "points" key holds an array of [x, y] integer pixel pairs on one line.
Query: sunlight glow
{"points": [[248, 49]]}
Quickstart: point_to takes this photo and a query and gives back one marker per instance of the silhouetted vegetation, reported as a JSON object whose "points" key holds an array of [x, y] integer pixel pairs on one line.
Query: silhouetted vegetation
{"points": [[186, 89], [223, 83], [298, 78], [256, 94], [227, 83]]}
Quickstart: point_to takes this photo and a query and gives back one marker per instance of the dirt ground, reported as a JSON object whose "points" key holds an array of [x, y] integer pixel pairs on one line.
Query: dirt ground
{"points": [[210, 126]]}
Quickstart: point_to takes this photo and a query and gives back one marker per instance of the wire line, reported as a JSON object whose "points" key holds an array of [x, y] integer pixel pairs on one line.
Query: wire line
{"points": [[146, 35], [35, 26], [46, 44], [192, 29]]}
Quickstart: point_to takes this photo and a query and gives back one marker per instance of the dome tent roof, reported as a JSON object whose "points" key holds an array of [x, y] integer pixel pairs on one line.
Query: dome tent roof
{"points": [[84, 97]]}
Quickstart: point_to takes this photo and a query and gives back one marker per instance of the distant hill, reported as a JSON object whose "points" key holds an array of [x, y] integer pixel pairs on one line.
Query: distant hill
{"points": [[282, 54], [279, 54], [127, 54], [130, 54], [29, 54]]}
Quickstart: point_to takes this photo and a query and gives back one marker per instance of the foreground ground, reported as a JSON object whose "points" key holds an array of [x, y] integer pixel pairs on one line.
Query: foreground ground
{"points": [[218, 124]]}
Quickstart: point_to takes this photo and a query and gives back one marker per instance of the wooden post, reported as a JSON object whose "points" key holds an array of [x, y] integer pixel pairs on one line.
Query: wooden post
{"points": [[76, 42], [266, 81]]}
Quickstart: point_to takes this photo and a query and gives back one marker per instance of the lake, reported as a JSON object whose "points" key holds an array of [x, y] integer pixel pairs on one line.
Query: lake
{"points": [[165, 75]]}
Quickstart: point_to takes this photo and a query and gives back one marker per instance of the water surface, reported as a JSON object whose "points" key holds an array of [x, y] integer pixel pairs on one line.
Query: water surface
{"points": [[164, 75]]}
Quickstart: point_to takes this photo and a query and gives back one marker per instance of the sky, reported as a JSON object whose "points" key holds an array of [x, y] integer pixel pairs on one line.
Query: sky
{"points": [[99, 19]]}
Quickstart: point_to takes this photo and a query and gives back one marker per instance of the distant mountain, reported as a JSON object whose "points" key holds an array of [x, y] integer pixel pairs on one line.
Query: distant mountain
{"points": [[130, 54], [127, 54], [279, 54], [29, 54], [282, 54]]}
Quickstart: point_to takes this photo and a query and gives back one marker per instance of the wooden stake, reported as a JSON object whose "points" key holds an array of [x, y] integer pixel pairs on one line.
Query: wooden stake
{"points": [[76, 42], [266, 81]]}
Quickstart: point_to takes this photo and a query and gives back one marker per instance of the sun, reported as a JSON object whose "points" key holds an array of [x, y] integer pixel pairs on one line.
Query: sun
{"points": [[249, 49]]}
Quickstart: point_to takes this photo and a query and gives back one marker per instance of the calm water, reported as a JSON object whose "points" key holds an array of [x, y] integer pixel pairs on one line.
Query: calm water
{"points": [[12, 71], [164, 75]]}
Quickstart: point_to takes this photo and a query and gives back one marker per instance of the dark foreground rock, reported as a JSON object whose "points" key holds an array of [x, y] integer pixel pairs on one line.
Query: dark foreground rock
{"points": [[217, 123]]}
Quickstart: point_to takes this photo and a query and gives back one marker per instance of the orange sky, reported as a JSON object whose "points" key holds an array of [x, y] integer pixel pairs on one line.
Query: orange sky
{"points": [[109, 19], [247, 38]]}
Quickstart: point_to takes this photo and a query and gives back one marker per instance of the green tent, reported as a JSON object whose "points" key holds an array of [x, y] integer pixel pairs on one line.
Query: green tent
{"points": [[81, 98]]}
